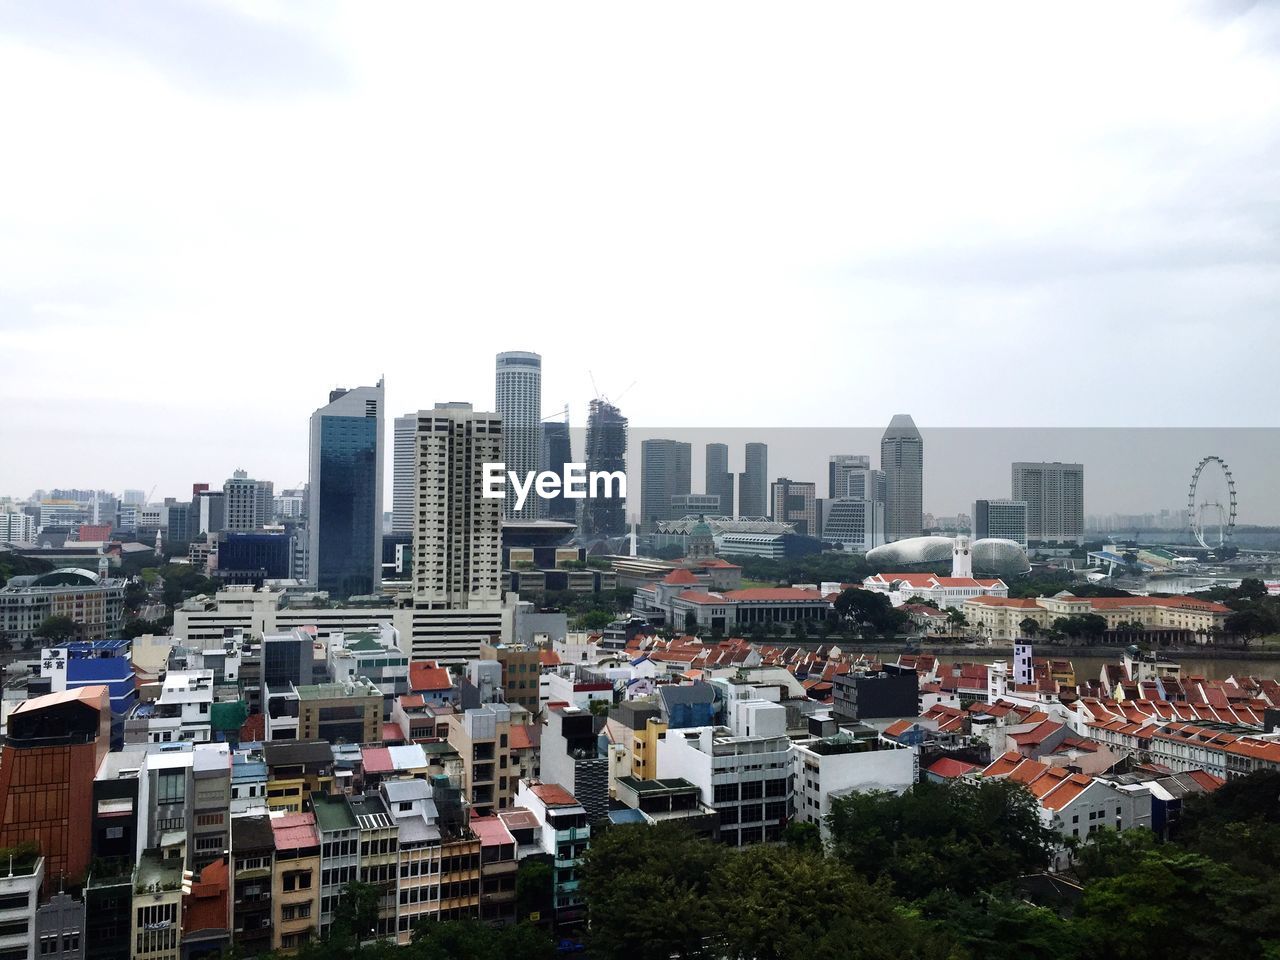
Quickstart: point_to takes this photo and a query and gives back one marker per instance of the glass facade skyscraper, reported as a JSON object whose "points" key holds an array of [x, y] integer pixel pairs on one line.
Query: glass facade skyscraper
{"points": [[345, 509]]}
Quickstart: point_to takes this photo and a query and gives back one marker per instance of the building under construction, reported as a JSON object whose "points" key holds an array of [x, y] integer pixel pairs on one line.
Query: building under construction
{"points": [[606, 451]]}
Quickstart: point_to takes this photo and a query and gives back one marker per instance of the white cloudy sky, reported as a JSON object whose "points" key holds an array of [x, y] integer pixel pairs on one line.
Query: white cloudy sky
{"points": [[981, 213]]}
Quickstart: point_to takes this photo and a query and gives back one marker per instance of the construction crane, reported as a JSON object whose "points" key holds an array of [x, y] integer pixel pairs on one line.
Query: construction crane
{"points": [[563, 413]]}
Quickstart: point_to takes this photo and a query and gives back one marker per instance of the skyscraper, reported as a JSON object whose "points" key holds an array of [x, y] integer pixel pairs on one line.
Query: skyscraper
{"points": [[1003, 519], [518, 390], [457, 540], [1054, 494], [344, 511], [404, 472], [606, 451], [247, 504], [557, 450], [753, 485], [665, 467], [902, 460], [839, 468], [795, 502], [719, 480]]}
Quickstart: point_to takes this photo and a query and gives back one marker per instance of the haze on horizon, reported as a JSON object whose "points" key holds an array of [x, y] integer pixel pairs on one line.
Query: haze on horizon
{"points": [[811, 217]]}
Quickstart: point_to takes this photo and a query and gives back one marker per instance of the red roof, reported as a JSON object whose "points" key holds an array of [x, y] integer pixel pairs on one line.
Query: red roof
{"points": [[548, 658], [376, 759], [680, 577], [391, 733], [898, 728], [426, 677], [950, 768], [491, 831], [294, 831], [553, 795], [775, 594], [522, 738]]}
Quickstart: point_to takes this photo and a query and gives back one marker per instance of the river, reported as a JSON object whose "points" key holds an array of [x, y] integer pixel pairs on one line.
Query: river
{"points": [[1090, 667]]}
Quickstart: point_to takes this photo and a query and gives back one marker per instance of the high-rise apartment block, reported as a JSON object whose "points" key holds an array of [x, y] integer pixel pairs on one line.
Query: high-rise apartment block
{"points": [[17, 528], [664, 473], [902, 460], [457, 537], [344, 514], [518, 394], [1054, 495], [1001, 519], [719, 481], [753, 484], [247, 504]]}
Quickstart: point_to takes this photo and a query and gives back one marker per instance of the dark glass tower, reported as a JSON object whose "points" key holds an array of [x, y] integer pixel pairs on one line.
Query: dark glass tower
{"points": [[345, 509]]}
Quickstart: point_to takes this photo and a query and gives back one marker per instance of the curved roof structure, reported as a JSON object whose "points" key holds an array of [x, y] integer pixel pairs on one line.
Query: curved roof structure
{"points": [[67, 577], [992, 556]]}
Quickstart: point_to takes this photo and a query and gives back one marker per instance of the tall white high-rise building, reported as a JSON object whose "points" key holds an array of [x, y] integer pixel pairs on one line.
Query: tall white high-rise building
{"points": [[518, 393], [902, 461], [457, 537], [404, 472], [1054, 495]]}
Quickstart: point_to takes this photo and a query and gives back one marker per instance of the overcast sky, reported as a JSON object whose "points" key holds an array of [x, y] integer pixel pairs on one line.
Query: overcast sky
{"points": [[982, 214]]}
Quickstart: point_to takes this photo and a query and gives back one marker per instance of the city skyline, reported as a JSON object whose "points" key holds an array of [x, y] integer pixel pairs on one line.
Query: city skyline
{"points": [[966, 249]]}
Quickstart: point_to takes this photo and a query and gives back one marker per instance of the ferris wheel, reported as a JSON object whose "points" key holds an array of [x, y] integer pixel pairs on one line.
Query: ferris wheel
{"points": [[1213, 522]]}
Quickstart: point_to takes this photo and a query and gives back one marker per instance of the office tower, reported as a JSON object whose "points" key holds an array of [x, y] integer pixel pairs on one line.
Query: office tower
{"points": [[344, 509], [1002, 519], [753, 485], [519, 402], [458, 537], [211, 510], [181, 526], [795, 502], [719, 479], [902, 460], [840, 467], [853, 523], [404, 473], [135, 498], [246, 503], [557, 450], [606, 452], [664, 473], [54, 747], [1054, 495]]}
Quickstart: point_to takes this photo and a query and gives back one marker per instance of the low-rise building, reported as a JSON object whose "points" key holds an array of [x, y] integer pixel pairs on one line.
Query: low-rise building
{"points": [[847, 762], [564, 833]]}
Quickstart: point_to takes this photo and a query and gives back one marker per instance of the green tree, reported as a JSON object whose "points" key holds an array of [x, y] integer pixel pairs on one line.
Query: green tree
{"points": [[355, 916], [534, 890], [991, 926], [57, 629], [596, 619], [803, 835], [1178, 905], [789, 905], [866, 608], [954, 836], [1029, 626], [635, 873]]}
